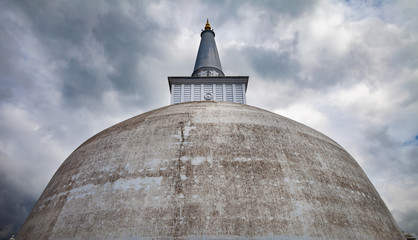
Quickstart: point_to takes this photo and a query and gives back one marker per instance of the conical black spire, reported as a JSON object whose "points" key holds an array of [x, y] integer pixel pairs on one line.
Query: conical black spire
{"points": [[207, 60]]}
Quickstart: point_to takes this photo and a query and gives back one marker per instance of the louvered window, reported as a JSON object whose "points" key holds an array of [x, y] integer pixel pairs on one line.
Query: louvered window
{"points": [[208, 88], [197, 92], [239, 96], [219, 92], [176, 93], [228, 92], [187, 95]]}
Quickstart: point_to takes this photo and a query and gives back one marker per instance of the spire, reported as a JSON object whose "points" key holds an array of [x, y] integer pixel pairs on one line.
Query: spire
{"points": [[207, 26], [207, 60], [208, 82]]}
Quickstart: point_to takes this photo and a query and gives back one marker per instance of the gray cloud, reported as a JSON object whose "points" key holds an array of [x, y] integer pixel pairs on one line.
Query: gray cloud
{"points": [[272, 65], [15, 204], [94, 49], [15, 209], [387, 154], [409, 221]]}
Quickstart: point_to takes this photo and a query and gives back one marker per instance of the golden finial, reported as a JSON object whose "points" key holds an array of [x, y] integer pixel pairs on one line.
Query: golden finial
{"points": [[207, 26]]}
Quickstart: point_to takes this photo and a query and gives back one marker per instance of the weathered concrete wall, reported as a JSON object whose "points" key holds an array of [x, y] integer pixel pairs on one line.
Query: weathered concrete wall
{"points": [[210, 170]]}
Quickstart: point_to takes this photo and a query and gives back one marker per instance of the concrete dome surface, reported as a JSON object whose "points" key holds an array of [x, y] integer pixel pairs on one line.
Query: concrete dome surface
{"points": [[213, 170]]}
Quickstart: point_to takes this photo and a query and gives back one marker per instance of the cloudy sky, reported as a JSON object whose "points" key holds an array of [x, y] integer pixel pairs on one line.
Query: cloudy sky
{"points": [[69, 69]]}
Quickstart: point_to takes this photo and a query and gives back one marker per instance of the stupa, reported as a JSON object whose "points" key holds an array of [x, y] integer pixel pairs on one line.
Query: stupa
{"points": [[210, 167]]}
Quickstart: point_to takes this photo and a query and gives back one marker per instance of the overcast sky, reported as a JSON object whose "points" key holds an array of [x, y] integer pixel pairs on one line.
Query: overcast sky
{"points": [[69, 69]]}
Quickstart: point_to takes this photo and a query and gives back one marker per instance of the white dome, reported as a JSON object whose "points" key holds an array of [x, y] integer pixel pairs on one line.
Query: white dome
{"points": [[210, 170]]}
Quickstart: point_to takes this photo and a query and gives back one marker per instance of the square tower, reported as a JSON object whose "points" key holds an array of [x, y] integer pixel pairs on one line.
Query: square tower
{"points": [[208, 82]]}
